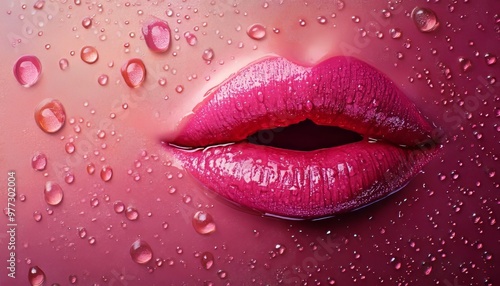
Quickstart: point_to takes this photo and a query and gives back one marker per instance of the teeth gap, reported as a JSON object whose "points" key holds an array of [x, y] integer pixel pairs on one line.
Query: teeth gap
{"points": [[304, 136]]}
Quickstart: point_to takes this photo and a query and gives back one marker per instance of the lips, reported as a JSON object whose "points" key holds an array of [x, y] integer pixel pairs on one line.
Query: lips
{"points": [[274, 92]]}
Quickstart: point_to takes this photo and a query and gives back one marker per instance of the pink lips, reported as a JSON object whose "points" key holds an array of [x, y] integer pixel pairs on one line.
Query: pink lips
{"points": [[274, 92]]}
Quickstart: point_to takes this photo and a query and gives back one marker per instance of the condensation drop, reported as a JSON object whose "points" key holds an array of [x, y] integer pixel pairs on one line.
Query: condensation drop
{"points": [[321, 19], [70, 148], [256, 31], [190, 38], [27, 70], [203, 223], [141, 252], [50, 115], [73, 279], [90, 168], [63, 64], [36, 276], [89, 54], [87, 22], [39, 4], [395, 33], [157, 35], [131, 213], [37, 216], [82, 232], [208, 54], [134, 72], [490, 59], [207, 260], [39, 162], [465, 64], [103, 79], [106, 173], [119, 207], [425, 19], [53, 193]]}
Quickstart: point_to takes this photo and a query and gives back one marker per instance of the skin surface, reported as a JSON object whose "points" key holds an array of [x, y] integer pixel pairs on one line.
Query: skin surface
{"points": [[440, 229]]}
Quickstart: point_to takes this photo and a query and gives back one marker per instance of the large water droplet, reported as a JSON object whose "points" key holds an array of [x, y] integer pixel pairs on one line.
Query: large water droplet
{"points": [[256, 31], [134, 72], [36, 276], [53, 193], [157, 35], [141, 252], [39, 162], [89, 54], [203, 223], [106, 173], [27, 70], [425, 19], [207, 260], [50, 115]]}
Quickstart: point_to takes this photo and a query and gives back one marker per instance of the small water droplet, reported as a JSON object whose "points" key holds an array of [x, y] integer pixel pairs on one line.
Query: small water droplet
{"points": [[39, 162], [73, 279], [89, 54], [157, 35], [208, 54], [131, 213], [39, 4], [490, 59], [70, 148], [90, 168], [322, 20], [27, 70], [465, 64], [69, 178], [425, 19], [37, 216], [395, 33], [203, 222], [82, 232], [103, 79], [53, 193], [36, 276], [256, 31], [179, 89], [63, 64], [134, 72], [207, 260], [141, 252], [340, 5], [356, 19], [222, 274], [94, 202], [87, 22], [92, 240], [119, 207], [428, 270], [106, 173], [190, 38]]}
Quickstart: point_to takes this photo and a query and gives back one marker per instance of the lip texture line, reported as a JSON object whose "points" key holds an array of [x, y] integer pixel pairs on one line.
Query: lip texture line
{"points": [[274, 92]]}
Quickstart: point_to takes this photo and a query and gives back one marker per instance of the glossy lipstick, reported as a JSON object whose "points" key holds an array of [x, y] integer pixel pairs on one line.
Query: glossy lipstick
{"points": [[274, 92]]}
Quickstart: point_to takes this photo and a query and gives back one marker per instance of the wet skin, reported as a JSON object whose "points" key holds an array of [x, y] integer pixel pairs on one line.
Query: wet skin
{"points": [[441, 228]]}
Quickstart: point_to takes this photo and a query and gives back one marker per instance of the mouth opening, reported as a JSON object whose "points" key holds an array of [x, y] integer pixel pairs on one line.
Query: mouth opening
{"points": [[304, 136]]}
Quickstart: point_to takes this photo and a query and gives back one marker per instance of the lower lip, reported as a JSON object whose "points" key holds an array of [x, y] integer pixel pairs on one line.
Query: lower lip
{"points": [[297, 184]]}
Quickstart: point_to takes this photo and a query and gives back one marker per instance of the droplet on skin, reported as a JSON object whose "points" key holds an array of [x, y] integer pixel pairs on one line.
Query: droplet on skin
{"points": [[53, 193], [90, 168], [256, 31], [27, 70], [89, 54], [141, 252], [70, 148], [157, 35], [119, 207], [37, 216], [63, 64], [207, 260], [208, 55], [73, 279], [395, 33], [425, 19], [50, 115], [39, 162], [103, 79], [203, 222], [39, 4], [490, 59], [131, 213], [340, 5], [87, 22], [134, 72], [190, 38], [36, 276], [465, 64], [82, 232], [106, 173]]}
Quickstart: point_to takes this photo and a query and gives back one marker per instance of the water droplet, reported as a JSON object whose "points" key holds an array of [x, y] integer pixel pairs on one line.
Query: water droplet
{"points": [[131, 213], [222, 274], [73, 279], [37, 216], [90, 168], [355, 19], [36, 276], [119, 207], [179, 89], [465, 64], [425, 19], [70, 148], [207, 260], [27, 70], [490, 59], [103, 79], [63, 64], [157, 35], [428, 270], [39, 162], [321, 20], [39, 4], [50, 115], [92, 240], [208, 54], [106, 173], [203, 223], [69, 178], [134, 72], [340, 4], [190, 38], [395, 33], [89, 54], [302, 22], [82, 232], [87, 22], [53, 193], [141, 252], [256, 31], [94, 202]]}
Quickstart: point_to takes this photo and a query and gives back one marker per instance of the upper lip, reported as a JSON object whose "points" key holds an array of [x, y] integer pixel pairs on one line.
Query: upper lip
{"points": [[274, 92]]}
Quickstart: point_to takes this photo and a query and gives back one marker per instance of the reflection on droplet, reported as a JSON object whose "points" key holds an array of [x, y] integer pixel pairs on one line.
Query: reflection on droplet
{"points": [[425, 19], [37, 216], [103, 79], [90, 168], [89, 54], [322, 20], [256, 31], [157, 35], [141, 252], [36, 276], [39, 4], [490, 59], [203, 222], [119, 207], [70, 148], [82, 232], [53, 193], [50, 115], [87, 22], [131, 213], [208, 54], [340, 4], [39, 162], [465, 64], [134, 72], [207, 260], [27, 70], [94, 202], [190, 38], [106, 173], [73, 279], [395, 33], [63, 64]]}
